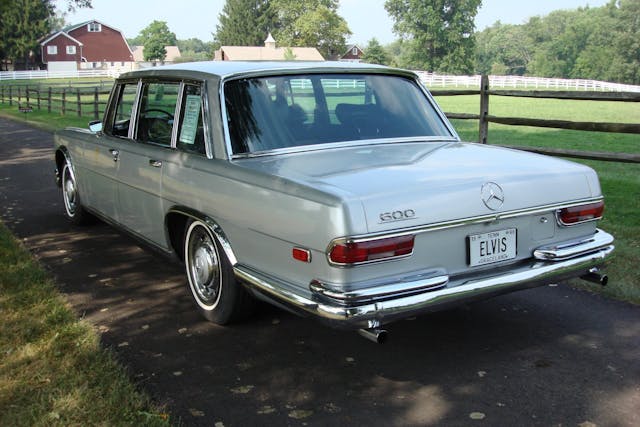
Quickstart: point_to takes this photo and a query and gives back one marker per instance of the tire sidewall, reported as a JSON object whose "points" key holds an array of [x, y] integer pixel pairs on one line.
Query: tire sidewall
{"points": [[77, 217], [221, 311]]}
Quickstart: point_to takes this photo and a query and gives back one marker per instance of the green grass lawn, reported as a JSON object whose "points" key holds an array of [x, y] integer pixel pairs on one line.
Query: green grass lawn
{"points": [[71, 82], [579, 111], [53, 371], [44, 120], [40, 102], [621, 187]]}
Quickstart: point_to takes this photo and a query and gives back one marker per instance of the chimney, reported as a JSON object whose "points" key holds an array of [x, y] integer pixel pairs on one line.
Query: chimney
{"points": [[270, 42]]}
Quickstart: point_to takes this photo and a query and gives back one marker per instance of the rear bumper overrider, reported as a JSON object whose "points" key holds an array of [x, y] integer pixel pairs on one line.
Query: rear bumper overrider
{"points": [[387, 302]]}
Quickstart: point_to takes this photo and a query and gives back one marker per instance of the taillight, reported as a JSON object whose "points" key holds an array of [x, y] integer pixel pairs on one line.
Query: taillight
{"points": [[582, 213], [371, 250]]}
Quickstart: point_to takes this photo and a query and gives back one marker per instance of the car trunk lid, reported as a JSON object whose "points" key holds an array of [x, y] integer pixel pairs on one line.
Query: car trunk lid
{"points": [[404, 185]]}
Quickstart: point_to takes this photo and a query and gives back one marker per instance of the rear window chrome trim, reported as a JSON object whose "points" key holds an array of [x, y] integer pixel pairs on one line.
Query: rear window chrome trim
{"points": [[345, 144]]}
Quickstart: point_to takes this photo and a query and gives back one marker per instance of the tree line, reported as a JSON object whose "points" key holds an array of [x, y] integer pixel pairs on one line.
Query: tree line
{"points": [[601, 43]]}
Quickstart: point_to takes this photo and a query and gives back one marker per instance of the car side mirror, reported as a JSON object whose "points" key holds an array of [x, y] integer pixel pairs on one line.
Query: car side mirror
{"points": [[95, 126]]}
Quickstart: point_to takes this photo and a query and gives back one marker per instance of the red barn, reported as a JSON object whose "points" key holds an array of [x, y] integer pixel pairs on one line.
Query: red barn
{"points": [[353, 54], [89, 45]]}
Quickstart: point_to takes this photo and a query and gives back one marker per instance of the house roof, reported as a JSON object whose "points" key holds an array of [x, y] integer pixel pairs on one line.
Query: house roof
{"points": [[173, 53], [70, 28], [106, 45], [268, 52], [351, 46], [262, 53], [60, 33], [74, 26]]}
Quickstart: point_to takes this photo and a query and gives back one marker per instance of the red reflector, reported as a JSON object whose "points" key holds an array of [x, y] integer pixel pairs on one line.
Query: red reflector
{"points": [[371, 250], [301, 254], [582, 213]]}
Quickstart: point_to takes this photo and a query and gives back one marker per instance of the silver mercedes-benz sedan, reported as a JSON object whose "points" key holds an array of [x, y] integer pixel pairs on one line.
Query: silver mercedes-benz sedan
{"points": [[335, 190]]}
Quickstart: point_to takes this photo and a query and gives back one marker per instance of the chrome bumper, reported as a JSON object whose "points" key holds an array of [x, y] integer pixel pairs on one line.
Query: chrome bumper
{"points": [[375, 306]]}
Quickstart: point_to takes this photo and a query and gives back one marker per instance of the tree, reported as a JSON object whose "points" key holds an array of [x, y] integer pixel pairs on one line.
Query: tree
{"points": [[626, 66], [194, 49], [135, 41], [503, 50], [289, 55], [397, 53], [24, 23], [439, 32], [313, 23], [374, 53], [155, 37], [194, 45], [244, 23]]}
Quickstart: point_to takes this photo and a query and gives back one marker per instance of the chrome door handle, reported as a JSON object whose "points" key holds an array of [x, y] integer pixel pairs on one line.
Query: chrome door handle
{"points": [[115, 153], [155, 163]]}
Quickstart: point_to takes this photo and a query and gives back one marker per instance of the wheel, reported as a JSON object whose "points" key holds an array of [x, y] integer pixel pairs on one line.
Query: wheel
{"points": [[210, 275], [72, 206]]}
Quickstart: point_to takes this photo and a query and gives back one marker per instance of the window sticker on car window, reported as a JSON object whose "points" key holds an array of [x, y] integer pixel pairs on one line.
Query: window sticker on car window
{"points": [[190, 121]]}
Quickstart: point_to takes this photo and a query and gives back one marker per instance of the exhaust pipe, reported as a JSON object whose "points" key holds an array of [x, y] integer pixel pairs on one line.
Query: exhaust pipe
{"points": [[595, 277], [376, 335]]}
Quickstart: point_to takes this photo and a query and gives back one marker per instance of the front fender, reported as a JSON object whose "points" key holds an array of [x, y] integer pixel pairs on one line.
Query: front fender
{"points": [[62, 157]]}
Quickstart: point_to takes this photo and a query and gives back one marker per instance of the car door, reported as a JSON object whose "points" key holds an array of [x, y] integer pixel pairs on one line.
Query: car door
{"points": [[141, 160], [101, 158], [185, 173]]}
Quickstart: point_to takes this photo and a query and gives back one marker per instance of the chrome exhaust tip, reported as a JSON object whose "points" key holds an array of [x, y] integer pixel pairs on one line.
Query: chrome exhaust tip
{"points": [[378, 336], [595, 277]]}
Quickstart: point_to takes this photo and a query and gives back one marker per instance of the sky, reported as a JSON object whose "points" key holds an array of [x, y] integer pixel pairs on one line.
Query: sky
{"points": [[366, 18]]}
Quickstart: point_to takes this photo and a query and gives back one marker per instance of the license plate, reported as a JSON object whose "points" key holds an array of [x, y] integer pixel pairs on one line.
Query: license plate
{"points": [[495, 246]]}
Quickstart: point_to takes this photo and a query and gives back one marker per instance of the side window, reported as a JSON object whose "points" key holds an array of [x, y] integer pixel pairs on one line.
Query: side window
{"points": [[157, 107], [301, 101], [190, 127], [121, 119], [345, 94]]}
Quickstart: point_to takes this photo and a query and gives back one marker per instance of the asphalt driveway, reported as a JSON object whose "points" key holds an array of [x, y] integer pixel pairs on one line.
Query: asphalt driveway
{"points": [[547, 356]]}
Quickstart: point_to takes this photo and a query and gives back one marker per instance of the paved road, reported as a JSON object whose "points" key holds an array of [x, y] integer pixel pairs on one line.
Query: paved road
{"points": [[547, 356]]}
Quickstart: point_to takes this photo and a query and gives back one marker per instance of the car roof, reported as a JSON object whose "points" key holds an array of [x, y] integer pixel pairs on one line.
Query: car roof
{"points": [[225, 69]]}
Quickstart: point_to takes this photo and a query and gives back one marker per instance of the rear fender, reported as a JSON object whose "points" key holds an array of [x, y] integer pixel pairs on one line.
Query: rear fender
{"points": [[211, 223]]}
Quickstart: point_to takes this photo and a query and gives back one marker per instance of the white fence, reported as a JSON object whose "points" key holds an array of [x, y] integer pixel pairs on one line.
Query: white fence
{"points": [[29, 75], [436, 80], [430, 79]]}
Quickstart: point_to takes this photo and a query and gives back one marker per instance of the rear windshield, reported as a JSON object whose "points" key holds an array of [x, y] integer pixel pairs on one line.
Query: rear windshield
{"points": [[288, 111]]}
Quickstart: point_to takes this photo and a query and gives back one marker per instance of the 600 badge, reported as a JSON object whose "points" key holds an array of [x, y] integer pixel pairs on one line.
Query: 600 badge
{"points": [[397, 215]]}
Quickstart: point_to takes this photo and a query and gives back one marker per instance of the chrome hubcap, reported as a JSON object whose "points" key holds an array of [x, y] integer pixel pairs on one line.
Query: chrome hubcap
{"points": [[203, 265]]}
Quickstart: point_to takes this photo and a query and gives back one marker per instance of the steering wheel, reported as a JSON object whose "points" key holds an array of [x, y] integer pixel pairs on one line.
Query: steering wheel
{"points": [[159, 127], [157, 110]]}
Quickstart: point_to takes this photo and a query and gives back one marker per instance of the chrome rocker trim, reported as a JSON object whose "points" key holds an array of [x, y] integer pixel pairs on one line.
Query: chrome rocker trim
{"points": [[373, 307]]}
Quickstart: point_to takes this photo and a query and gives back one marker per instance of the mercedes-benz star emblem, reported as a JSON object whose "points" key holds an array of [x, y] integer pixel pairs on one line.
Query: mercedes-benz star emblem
{"points": [[492, 195]]}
